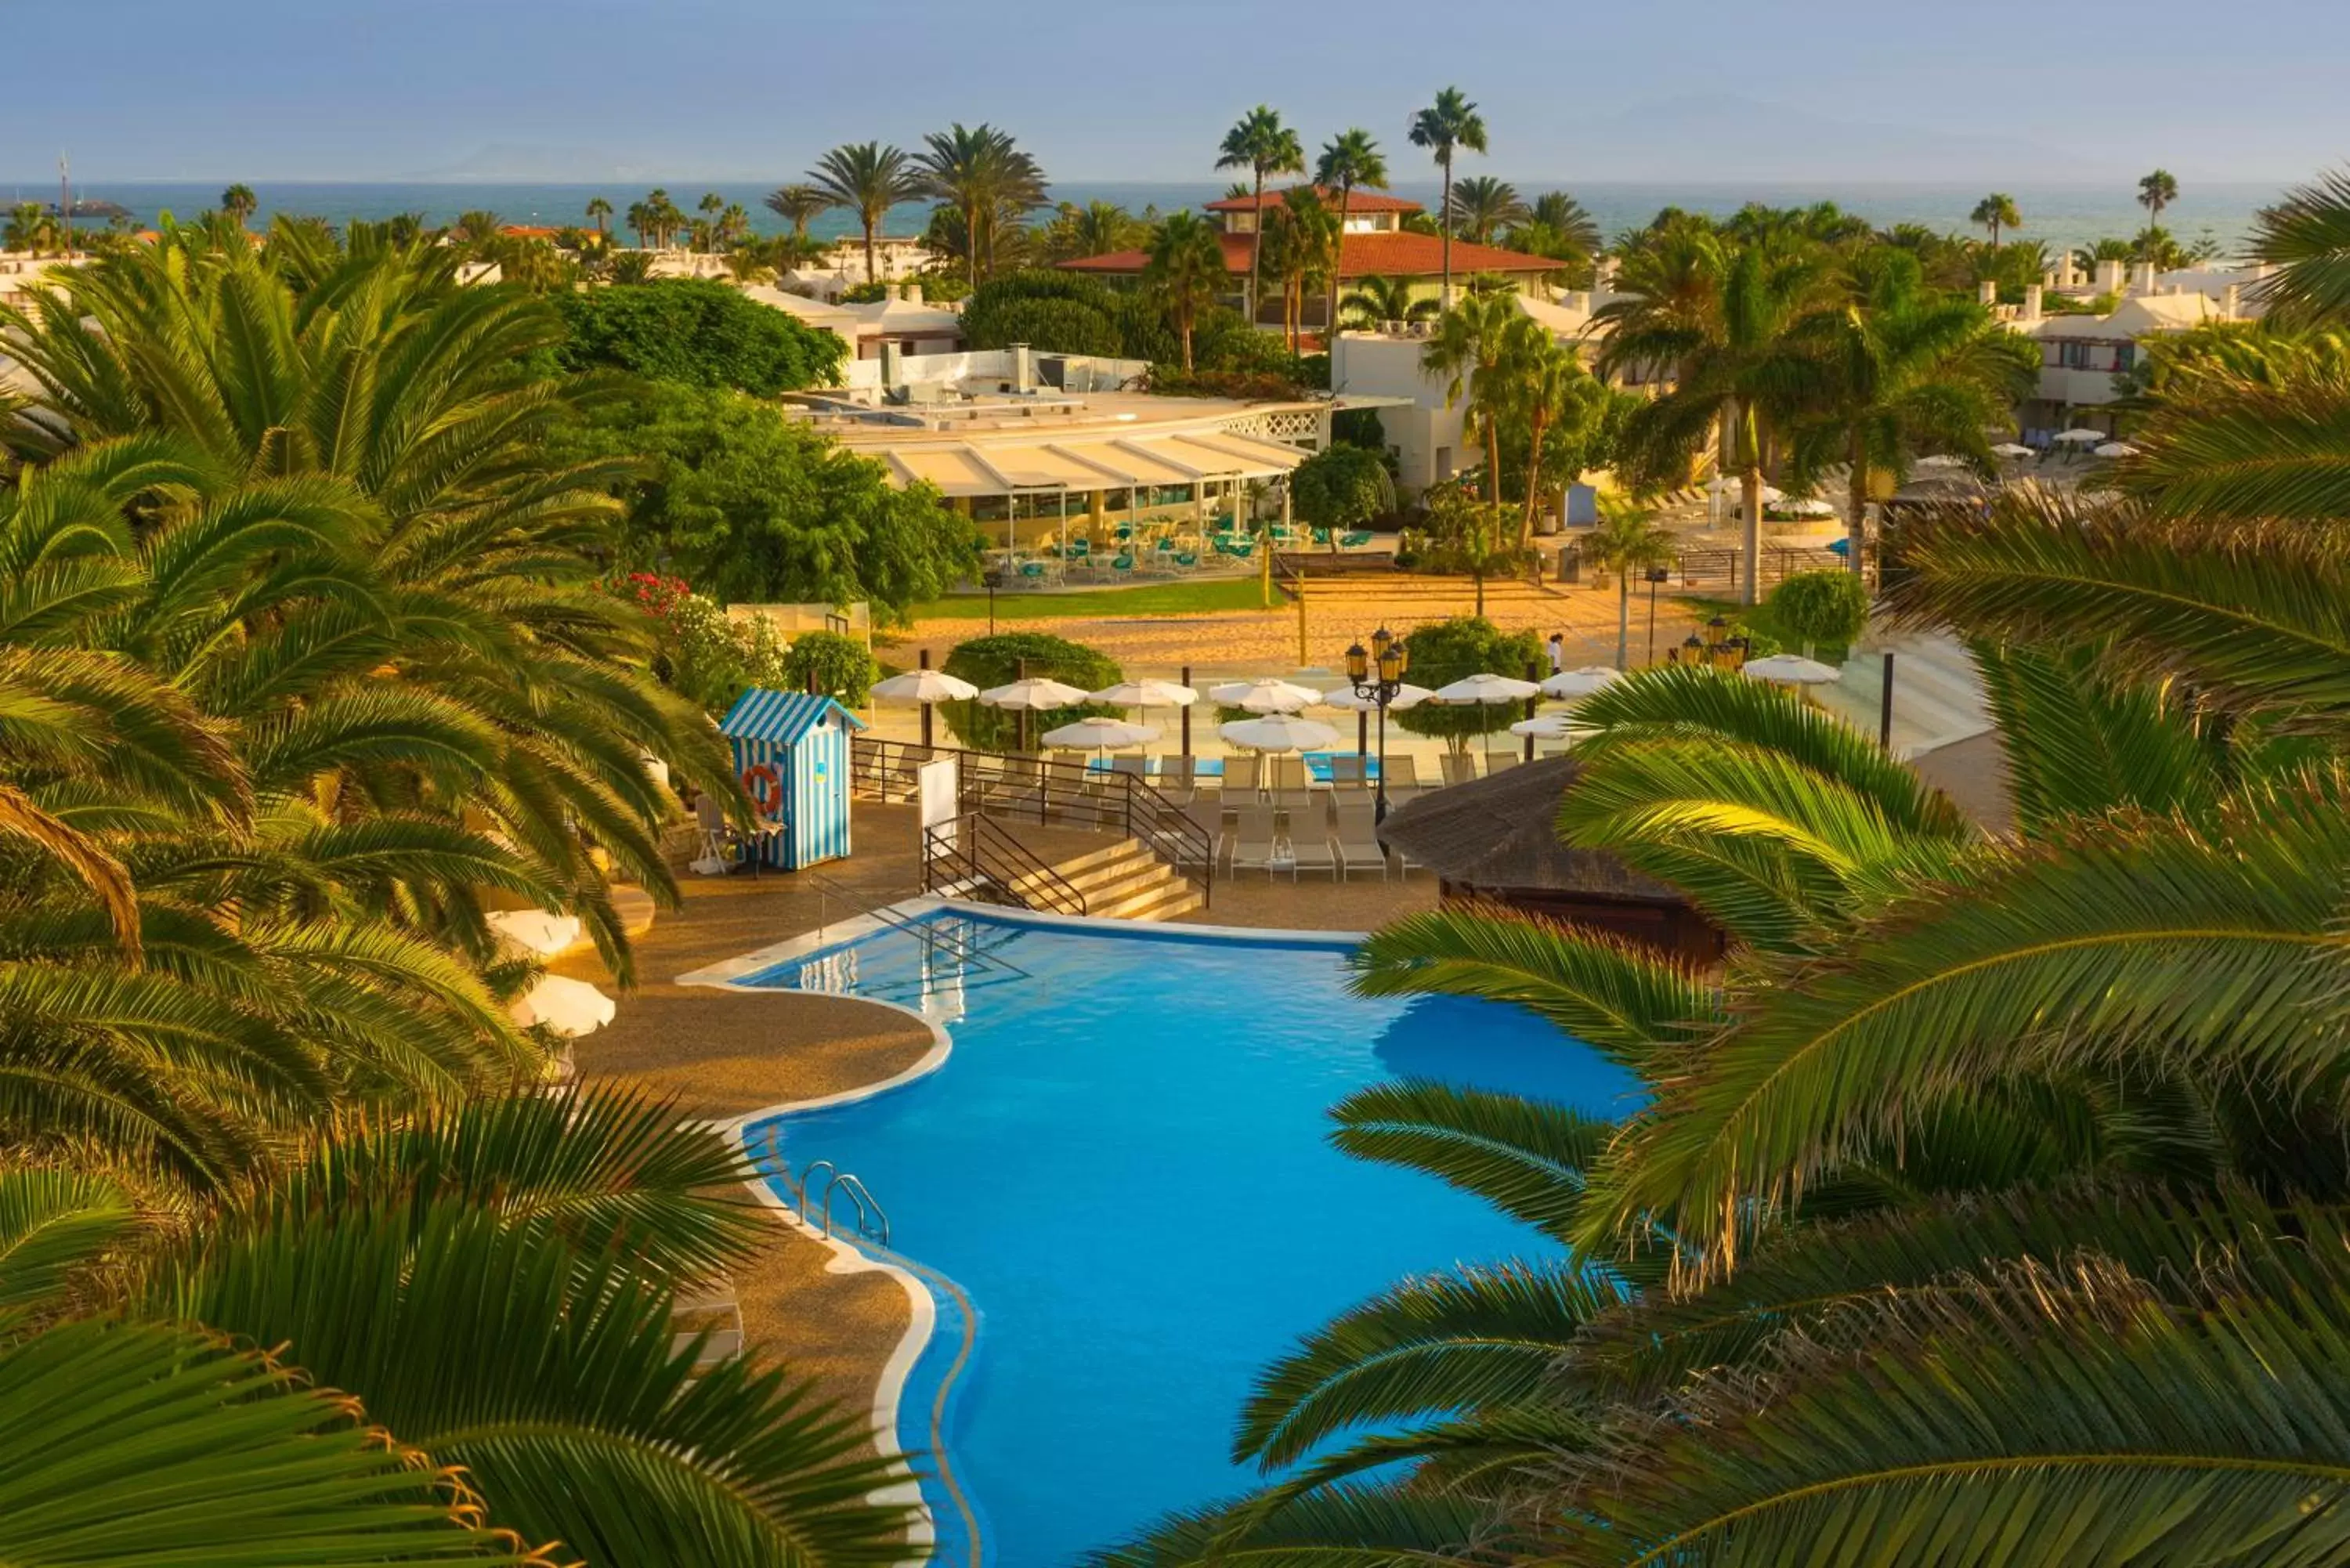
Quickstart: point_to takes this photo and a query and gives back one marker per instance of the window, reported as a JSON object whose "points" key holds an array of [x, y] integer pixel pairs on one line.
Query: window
{"points": [[2126, 356], [2077, 356]]}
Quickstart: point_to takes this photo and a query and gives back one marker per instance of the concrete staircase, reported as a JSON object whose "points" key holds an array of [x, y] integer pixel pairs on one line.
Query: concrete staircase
{"points": [[1938, 695], [1123, 881]]}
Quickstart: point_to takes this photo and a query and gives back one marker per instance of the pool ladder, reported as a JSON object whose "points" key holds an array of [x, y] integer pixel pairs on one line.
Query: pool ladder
{"points": [[872, 1219]]}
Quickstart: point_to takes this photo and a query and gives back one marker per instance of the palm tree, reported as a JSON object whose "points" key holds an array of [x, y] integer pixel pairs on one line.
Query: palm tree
{"points": [[1896, 369], [982, 175], [1996, 212], [1719, 316], [2306, 237], [479, 232], [868, 179], [798, 206], [2156, 192], [710, 206], [1349, 160], [1304, 237], [240, 203], [1480, 206], [1375, 301], [1260, 144], [1097, 229], [639, 218], [1449, 126], [1628, 540], [29, 228], [1468, 350], [1186, 272], [1565, 216], [599, 212], [1547, 388]]}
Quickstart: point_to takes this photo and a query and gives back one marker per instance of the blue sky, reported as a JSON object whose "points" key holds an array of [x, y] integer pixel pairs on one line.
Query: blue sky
{"points": [[1119, 89]]}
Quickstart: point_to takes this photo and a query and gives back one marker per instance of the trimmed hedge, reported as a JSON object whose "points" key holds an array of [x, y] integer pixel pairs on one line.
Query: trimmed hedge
{"points": [[999, 661]]}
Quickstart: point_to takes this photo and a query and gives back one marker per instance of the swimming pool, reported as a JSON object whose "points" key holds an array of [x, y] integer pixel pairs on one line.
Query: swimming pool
{"points": [[1122, 1165]]}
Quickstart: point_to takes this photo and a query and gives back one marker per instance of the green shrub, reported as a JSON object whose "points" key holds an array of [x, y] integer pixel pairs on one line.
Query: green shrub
{"points": [[999, 661], [1447, 650], [1342, 487], [1821, 608], [700, 652], [695, 332], [837, 666]]}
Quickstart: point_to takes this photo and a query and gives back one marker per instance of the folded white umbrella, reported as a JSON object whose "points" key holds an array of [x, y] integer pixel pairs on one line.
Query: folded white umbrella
{"points": [[1278, 732], [1811, 506], [2115, 449], [1478, 691], [925, 686], [569, 1007], [536, 933], [1099, 735], [1791, 669], [1941, 460], [1571, 684], [1407, 696], [1267, 695], [2077, 437], [1147, 694], [2011, 449], [1544, 727], [1037, 692]]}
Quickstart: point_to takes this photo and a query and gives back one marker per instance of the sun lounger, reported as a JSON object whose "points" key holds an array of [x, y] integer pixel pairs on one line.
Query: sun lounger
{"points": [[1310, 848], [1359, 840], [1459, 768], [1207, 816], [1347, 769], [1135, 767], [1289, 772], [1500, 760], [1175, 774], [1240, 776], [1253, 841], [1402, 773]]}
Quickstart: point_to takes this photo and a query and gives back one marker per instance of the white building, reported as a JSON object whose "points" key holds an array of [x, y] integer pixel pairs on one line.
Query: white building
{"points": [[2081, 354], [902, 322]]}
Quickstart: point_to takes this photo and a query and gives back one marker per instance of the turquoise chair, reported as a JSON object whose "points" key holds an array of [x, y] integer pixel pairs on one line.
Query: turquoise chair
{"points": [[1353, 540], [1125, 563], [1032, 569], [1186, 559]]}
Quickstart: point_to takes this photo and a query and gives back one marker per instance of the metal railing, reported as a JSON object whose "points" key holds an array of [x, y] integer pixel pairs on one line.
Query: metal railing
{"points": [[978, 859], [934, 936], [1011, 788]]}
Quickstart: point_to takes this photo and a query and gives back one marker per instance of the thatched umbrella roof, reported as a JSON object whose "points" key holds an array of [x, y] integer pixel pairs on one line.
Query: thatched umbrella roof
{"points": [[1498, 833]]}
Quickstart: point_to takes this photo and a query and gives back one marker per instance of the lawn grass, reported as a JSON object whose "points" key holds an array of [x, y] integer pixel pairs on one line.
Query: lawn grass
{"points": [[1765, 621], [1151, 600]]}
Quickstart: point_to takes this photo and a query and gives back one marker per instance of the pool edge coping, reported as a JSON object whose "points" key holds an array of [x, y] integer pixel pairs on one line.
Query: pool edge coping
{"points": [[847, 1257]]}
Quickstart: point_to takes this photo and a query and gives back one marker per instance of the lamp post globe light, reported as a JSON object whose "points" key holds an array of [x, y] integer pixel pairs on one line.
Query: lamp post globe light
{"points": [[1376, 675]]}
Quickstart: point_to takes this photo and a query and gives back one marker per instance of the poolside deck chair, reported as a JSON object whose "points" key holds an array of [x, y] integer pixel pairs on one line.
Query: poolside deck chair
{"points": [[1500, 760], [1136, 767], [1253, 841], [1348, 769], [1207, 816], [1459, 768], [1359, 840], [1402, 773], [1175, 776], [715, 854], [1289, 772], [1310, 848], [1240, 776]]}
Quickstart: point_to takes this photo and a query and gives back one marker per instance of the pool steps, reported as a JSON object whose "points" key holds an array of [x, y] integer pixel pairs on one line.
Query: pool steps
{"points": [[1125, 881]]}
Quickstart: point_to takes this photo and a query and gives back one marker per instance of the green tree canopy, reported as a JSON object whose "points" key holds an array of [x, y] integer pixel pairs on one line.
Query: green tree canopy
{"points": [[834, 664], [1009, 656], [696, 333], [1342, 487], [747, 505], [1822, 606], [1447, 650]]}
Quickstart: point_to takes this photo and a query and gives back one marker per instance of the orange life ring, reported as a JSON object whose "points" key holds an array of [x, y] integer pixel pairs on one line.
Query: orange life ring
{"points": [[768, 800]]}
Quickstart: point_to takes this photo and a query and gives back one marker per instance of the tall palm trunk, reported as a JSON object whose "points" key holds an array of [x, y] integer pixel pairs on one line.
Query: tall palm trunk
{"points": [[1337, 265], [1749, 545], [1623, 616], [1257, 249], [1856, 524], [1494, 461], [1444, 224], [872, 255], [1534, 472]]}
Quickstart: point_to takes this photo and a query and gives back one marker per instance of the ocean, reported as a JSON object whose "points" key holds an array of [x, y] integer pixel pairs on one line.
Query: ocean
{"points": [[2059, 216]]}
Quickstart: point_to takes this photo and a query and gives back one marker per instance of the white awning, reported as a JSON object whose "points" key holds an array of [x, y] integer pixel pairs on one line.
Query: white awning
{"points": [[1105, 462]]}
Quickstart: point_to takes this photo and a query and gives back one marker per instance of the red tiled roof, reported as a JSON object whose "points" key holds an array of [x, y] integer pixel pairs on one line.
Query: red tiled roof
{"points": [[1360, 202], [1361, 256], [528, 231]]}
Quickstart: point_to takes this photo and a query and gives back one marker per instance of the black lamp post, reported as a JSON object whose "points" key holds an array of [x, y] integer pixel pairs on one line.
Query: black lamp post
{"points": [[1377, 677], [1655, 574], [994, 578]]}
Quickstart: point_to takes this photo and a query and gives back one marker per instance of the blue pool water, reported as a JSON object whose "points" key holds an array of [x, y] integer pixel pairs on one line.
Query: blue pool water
{"points": [[1123, 1165]]}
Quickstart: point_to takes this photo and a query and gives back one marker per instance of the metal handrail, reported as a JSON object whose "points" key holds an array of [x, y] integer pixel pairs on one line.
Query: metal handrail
{"points": [[867, 1218], [928, 933], [1019, 786], [982, 854]]}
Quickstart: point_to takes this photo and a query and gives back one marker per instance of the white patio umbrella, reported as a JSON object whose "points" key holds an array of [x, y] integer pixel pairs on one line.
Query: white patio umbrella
{"points": [[2011, 449], [1278, 732], [927, 687], [1099, 736], [533, 933], [1147, 694], [1268, 694], [569, 1007], [2079, 436], [1407, 696], [1574, 684], [1811, 506], [1036, 693], [1791, 669], [2115, 449], [1483, 691], [1544, 727]]}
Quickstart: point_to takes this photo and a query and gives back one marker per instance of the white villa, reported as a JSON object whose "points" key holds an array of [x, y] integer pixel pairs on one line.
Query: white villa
{"points": [[2081, 354], [902, 322]]}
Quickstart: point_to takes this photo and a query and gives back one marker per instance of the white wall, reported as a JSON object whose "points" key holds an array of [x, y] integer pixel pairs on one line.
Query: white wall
{"points": [[1431, 439]]}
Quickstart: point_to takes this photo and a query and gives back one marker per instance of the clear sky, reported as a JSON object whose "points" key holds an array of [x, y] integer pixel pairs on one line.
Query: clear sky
{"points": [[1122, 89]]}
